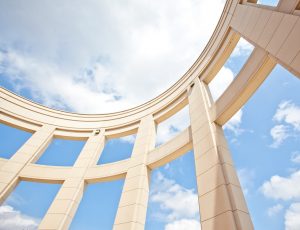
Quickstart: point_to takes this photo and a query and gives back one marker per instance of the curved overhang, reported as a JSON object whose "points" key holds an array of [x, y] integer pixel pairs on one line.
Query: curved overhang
{"points": [[31, 115]]}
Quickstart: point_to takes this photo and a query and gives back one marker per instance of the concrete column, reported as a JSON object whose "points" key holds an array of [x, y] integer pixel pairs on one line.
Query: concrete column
{"points": [[132, 209], [65, 204], [29, 152], [221, 200]]}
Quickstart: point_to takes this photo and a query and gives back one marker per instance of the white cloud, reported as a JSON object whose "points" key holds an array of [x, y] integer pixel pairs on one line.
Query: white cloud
{"points": [[11, 219], [285, 188], [55, 88], [279, 133], [101, 56], [234, 123], [292, 217], [243, 48], [289, 113], [176, 203], [130, 139], [184, 224], [220, 82], [274, 210], [295, 157]]}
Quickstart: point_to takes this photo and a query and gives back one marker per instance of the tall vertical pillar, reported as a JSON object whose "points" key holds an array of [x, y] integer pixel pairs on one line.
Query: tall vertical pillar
{"points": [[221, 200], [30, 151], [132, 208], [65, 204]]}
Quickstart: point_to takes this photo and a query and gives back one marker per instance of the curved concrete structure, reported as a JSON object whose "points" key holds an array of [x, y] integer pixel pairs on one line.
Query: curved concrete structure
{"points": [[275, 33]]}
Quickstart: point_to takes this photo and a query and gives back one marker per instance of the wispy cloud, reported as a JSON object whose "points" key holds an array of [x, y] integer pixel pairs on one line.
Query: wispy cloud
{"points": [[279, 133], [246, 177], [295, 157], [287, 117], [274, 210]]}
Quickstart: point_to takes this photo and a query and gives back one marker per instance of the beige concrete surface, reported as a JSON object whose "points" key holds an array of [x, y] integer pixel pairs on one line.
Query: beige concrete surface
{"points": [[275, 34]]}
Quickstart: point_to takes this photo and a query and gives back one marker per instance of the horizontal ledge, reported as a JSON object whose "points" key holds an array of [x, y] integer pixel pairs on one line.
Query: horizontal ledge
{"points": [[45, 173], [171, 150], [107, 172], [163, 154]]}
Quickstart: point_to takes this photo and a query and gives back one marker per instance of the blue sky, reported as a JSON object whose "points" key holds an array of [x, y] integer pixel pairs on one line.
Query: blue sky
{"points": [[98, 61]]}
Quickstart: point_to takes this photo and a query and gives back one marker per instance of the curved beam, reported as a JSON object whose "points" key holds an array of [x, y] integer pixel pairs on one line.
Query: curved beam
{"points": [[221, 57], [251, 76]]}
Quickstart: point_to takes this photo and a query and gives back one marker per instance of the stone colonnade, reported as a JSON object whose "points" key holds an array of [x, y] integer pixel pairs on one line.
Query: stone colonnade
{"points": [[275, 34]]}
